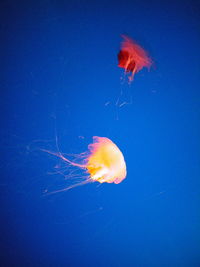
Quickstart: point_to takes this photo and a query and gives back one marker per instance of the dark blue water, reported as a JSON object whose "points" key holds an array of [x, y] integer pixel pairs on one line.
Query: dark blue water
{"points": [[60, 80]]}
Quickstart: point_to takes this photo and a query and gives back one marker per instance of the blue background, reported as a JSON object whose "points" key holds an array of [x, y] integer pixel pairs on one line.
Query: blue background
{"points": [[59, 79]]}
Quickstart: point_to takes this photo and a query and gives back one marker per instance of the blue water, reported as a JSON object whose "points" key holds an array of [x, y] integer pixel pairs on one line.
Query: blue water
{"points": [[60, 81]]}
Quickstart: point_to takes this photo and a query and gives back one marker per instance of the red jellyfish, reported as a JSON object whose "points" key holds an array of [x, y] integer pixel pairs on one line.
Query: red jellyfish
{"points": [[103, 163], [132, 57]]}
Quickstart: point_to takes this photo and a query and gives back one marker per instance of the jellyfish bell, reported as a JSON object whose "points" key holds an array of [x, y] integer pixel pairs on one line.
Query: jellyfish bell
{"points": [[103, 163], [106, 162], [132, 58]]}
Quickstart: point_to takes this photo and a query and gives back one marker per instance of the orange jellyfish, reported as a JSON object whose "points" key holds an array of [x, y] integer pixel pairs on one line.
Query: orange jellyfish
{"points": [[103, 163], [132, 57]]}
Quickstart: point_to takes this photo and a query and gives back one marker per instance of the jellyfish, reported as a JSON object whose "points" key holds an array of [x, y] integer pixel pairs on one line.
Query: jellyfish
{"points": [[132, 57], [103, 163]]}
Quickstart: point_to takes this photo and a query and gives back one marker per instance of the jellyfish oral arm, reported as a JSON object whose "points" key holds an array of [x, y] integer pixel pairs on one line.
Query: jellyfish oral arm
{"points": [[98, 176]]}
